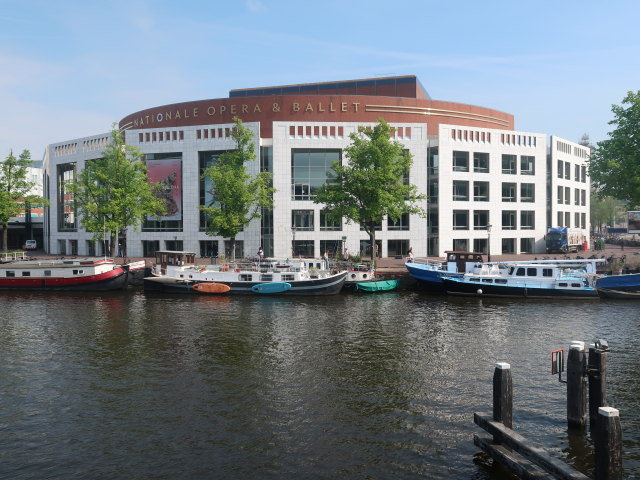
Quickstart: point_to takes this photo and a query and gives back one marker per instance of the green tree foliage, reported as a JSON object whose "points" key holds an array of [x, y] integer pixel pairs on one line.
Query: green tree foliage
{"points": [[237, 196], [112, 192], [14, 190], [615, 162], [372, 183], [607, 211]]}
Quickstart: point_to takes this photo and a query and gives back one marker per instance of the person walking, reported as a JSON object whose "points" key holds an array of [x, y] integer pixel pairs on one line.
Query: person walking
{"points": [[325, 260], [260, 254]]}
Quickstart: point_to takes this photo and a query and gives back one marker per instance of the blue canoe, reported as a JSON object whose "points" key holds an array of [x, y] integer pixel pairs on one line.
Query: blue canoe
{"points": [[271, 287]]}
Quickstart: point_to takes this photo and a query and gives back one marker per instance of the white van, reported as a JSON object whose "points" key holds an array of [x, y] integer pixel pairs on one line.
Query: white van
{"points": [[30, 245]]}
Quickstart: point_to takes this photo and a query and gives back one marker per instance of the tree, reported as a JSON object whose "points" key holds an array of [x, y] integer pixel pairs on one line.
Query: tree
{"points": [[237, 197], [113, 192], [373, 182], [615, 163], [14, 190]]}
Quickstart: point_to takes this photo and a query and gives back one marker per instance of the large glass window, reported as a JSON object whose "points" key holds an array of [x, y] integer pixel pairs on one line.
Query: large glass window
{"points": [[480, 162], [527, 165], [560, 168], [432, 191], [576, 196], [528, 192], [67, 219], [461, 244], [480, 245], [461, 220], [567, 195], [567, 171], [397, 248], [560, 195], [567, 219], [328, 225], [584, 174], [509, 193], [302, 220], [332, 247], [303, 248], [480, 219], [508, 219], [509, 164], [481, 191], [150, 247], [560, 219], [310, 169], [433, 161], [208, 248], [165, 170], [460, 161], [206, 160], [508, 245], [401, 224], [460, 190], [526, 245], [527, 220]]}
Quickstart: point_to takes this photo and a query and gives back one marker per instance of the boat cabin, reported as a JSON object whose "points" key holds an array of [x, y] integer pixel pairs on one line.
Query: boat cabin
{"points": [[457, 260], [165, 258]]}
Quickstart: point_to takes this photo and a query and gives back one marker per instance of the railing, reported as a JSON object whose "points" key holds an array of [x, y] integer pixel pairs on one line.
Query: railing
{"points": [[12, 256]]}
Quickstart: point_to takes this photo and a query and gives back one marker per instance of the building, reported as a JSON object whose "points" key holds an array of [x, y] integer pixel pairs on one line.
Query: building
{"points": [[487, 184], [29, 224]]}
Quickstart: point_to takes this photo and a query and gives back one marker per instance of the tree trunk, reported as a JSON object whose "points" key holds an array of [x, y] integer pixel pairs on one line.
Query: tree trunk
{"points": [[372, 239], [232, 241], [112, 244]]}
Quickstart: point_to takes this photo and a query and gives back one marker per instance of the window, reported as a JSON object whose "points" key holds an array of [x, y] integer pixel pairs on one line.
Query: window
{"points": [[245, 277], [567, 219], [480, 219], [508, 245], [576, 176], [460, 190], [287, 277], [310, 169], [303, 248], [567, 195], [583, 196], [567, 171], [560, 194], [576, 219], [10, 273], [208, 248], [526, 245], [432, 191], [460, 161], [527, 220], [401, 224], [560, 219], [528, 192], [302, 220], [584, 174], [576, 196], [560, 168], [481, 191], [480, 162], [332, 247], [509, 192], [509, 164], [527, 165], [47, 273], [480, 245], [461, 244], [329, 225], [508, 219], [583, 221], [66, 205], [150, 247], [461, 220], [397, 247], [27, 273], [432, 161], [547, 272], [377, 227]]}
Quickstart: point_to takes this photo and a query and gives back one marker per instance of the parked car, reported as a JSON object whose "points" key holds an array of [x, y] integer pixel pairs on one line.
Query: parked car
{"points": [[30, 245]]}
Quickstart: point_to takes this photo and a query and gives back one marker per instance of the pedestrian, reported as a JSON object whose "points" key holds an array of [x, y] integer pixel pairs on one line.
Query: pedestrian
{"points": [[410, 254], [260, 254], [346, 254], [325, 260]]}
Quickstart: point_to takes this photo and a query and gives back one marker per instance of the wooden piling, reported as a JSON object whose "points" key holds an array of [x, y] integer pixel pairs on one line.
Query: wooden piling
{"points": [[576, 386], [503, 395], [597, 373], [608, 445]]}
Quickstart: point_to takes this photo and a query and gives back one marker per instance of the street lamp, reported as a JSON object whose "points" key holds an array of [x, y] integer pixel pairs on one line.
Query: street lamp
{"points": [[293, 242], [489, 242]]}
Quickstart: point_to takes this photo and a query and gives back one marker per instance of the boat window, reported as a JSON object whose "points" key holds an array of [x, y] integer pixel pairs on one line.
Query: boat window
{"points": [[547, 272], [266, 278], [10, 273], [190, 276], [511, 269], [501, 280], [47, 273], [576, 285], [532, 272], [245, 277], [474, 279], [487, 280], [288, 277], [26, 274], [520, 272], [562, 284], [75, 272]]}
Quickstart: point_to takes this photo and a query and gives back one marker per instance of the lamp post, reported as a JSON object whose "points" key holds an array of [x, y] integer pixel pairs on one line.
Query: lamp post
{"points": [[293, 242], [489, 242]]}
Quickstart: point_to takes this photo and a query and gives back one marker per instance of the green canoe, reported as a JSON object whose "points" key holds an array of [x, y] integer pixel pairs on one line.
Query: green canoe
{"points": [[379, 286]]}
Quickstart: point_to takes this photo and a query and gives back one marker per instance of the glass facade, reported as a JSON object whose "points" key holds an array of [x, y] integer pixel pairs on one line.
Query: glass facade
{"points": [[310, 169], [67, 218]]}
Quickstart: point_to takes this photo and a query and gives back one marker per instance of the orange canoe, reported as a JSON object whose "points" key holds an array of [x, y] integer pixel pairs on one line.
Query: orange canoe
{"points": [[211, 287]]}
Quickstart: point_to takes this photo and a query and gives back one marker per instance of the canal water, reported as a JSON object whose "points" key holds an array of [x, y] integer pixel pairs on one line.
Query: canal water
{"points": [[128, 385]]}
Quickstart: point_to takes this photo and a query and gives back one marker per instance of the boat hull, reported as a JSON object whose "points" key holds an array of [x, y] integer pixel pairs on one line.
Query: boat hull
{"points": [[115, 279], [378, 286], [429, 278], [457, 287], [321, 286], [619, 286]]}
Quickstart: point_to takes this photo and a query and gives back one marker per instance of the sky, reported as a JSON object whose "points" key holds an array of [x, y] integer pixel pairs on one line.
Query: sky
{"points": [[70, 68]]}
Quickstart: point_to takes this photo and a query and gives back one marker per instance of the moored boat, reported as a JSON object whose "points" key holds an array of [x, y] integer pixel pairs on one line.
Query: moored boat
{"points": [[625, 287], [526, 280], [428, 273], [377, 286], [82, 274], [176, 272]]}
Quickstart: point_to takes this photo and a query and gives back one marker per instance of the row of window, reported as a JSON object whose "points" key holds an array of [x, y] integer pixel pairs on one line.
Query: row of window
{"points": [[579, 197], [303, 221], [481, 163], [579, 171], [161, 136], [481, 191], [508, 245], [481, 220], [470, 135], [579, 220]]}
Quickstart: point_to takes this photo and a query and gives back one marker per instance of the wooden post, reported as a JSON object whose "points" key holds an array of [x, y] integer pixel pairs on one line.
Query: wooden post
{"points": [[608, 445], [576, 386], [597, 372], [503, 395]]}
